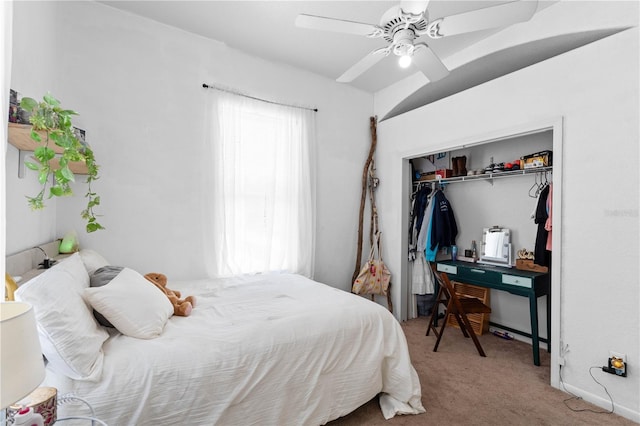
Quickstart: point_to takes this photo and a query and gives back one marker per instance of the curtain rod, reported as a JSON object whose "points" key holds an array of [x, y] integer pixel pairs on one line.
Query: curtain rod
{"points": [[235, 92]]}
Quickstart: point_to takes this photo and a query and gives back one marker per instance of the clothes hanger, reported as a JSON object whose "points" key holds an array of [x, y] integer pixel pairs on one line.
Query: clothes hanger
{"points": [[544, 184], [534, 186]]}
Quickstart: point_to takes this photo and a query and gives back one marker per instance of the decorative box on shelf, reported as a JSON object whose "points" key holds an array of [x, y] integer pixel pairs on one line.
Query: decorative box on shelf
{"points": [[539, 159], [427, 176], [528, 265], [444, 173]]}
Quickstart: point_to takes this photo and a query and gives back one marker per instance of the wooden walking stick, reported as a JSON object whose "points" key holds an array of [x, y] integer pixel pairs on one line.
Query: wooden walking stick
{"points": [[369, 183], [363, 197]]}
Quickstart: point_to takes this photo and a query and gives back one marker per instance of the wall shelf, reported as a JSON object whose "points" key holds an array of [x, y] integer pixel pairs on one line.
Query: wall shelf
{"points": [[19, 135], [488, 176]]}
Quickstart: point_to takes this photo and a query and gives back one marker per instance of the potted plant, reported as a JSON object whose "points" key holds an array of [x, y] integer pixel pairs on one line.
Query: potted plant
{"points": [[52, 124]]}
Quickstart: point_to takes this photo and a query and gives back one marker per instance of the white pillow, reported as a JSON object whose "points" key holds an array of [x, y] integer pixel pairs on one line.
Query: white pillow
{"points": [[92, 260], [69, 335], [135, 306]]}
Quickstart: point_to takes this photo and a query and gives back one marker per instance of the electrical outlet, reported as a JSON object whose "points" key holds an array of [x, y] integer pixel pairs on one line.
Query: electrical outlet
{"points": [[617, 364], [618, 355]]}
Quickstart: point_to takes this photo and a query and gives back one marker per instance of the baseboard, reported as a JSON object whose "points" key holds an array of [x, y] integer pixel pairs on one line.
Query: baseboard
{"points": [[603, 403]]}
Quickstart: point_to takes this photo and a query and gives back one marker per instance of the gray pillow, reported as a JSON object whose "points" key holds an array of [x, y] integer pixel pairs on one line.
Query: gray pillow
{"points": [[103, 276]]}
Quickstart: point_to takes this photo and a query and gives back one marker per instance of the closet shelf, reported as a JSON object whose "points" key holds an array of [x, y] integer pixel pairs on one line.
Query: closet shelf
{"points": [[487, 176], [19, 135]]}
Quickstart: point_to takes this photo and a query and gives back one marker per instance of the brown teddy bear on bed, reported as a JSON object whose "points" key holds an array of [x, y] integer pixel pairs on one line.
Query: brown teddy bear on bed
{"points": [[181, 307]]}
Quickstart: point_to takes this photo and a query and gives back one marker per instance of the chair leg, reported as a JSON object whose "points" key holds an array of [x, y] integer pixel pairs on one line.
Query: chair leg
{"points": [[444, 324], [473, 335], [434, 313], [440, 332]]}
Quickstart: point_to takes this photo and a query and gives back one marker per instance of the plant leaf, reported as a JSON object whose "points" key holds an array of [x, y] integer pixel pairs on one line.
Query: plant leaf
{"points": [[32, 166], [28, 104], [44, 154], [43, 176], [67, 173], [51, 100], [56, 190], [92, 227], [35, 136]]}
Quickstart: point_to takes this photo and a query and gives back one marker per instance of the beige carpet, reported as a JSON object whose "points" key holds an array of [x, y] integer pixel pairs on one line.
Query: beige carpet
{"points": [[461, 388]]}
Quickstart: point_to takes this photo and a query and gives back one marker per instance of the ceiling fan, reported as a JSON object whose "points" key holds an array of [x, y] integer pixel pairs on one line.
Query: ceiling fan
{"points": [[402, 25]]}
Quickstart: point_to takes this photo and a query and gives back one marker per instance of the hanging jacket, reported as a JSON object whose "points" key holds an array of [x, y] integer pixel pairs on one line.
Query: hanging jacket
{"points": [[418, 205], [541, 255], [422, 198], [444, 229], [429, 253], [422, 281]]}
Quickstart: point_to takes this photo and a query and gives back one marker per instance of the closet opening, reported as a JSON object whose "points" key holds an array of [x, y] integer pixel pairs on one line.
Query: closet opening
{"points": [[494, 180]]}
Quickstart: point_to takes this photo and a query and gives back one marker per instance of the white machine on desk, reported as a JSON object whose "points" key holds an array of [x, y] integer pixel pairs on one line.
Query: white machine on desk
{"points": [[496, 247]]}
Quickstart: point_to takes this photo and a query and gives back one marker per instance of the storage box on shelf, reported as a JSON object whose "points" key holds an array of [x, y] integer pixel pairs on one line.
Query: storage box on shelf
{"points": [[538, 159], [444, 173]]}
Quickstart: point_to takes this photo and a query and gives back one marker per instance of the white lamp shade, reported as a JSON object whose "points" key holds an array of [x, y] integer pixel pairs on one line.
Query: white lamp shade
{"points": [[21, 363]]}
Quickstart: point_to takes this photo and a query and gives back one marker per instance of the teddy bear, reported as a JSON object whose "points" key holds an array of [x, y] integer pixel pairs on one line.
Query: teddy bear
{"points": [[181, 307]]}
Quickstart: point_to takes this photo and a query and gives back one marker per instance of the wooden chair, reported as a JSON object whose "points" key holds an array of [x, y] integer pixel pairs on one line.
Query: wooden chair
{"points": [[456, 305]]}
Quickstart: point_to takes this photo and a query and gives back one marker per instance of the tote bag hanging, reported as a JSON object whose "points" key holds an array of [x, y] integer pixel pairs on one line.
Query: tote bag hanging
{"points": [[374, 276]]}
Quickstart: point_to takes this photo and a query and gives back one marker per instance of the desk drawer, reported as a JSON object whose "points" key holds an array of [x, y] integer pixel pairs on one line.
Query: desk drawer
{"points": [[515, 280], [479, 274], [447, 269]]}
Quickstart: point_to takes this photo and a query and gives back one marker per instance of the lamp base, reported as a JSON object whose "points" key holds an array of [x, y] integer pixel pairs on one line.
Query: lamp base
{"points": [[44, 401]]}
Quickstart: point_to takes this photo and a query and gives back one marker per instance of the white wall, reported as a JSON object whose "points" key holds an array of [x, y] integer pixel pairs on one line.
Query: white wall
{"points": [[137, 85], [26, 228], [595, 89]]}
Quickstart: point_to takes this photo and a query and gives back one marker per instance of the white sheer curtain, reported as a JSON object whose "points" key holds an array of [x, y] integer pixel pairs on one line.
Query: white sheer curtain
{"points": [[259, 192], [6, 18]]}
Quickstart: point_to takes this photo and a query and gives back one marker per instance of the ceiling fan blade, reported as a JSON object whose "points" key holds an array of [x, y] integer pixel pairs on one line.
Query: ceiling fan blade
{"points": [[364, 64], [414, 7], [337, 25], [428, 62], [491, 17]]}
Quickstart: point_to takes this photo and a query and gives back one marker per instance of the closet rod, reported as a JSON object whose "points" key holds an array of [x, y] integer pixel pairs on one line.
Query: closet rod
{"points": [[236, 92]]}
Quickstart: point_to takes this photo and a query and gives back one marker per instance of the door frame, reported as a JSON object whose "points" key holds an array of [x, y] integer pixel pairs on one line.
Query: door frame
{"points": [[556, 126]]}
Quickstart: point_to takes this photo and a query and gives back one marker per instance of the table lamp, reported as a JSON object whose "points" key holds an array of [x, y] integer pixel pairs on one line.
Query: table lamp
{"points": [[21, 363]]}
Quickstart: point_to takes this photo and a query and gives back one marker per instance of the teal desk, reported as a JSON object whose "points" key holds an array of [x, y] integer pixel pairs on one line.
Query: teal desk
{"points": [[522, 283]]}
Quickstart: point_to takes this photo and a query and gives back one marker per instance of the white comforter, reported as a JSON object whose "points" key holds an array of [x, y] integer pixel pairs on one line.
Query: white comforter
{"points": [[267, 350]]}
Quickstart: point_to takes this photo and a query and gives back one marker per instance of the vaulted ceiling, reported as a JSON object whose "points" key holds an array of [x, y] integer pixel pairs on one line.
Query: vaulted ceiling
{"points": [[267, 29]]}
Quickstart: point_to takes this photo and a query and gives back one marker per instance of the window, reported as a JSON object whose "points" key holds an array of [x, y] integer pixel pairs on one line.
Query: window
{"points": [[261, 205]]}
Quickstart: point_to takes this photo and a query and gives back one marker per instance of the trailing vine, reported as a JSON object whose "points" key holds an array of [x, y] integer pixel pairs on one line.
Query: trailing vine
{"points": [[52, 124]]}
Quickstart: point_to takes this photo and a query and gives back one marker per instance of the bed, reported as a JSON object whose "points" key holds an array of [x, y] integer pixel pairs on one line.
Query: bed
{"points": [[274, 349]]}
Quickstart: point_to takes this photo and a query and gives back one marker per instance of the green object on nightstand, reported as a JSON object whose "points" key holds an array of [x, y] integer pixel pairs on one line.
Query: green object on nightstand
{"points": [[69, 243]]}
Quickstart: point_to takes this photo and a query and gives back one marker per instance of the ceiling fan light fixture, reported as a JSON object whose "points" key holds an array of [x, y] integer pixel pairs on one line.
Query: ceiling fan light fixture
{"points": [[403, 24], [433, 30], [404, 61]]}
